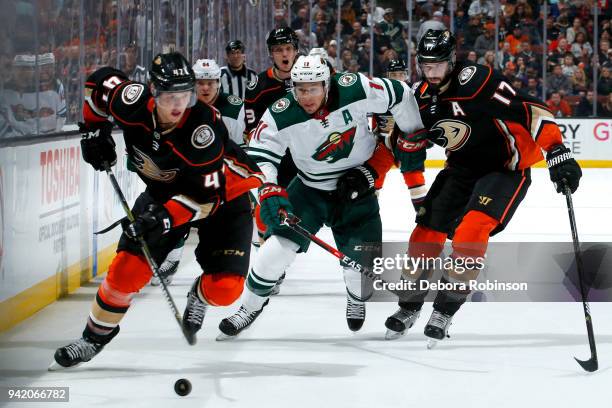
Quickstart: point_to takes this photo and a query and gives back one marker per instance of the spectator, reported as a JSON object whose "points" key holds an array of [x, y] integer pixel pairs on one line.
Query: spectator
{"points": [[557, 82], [568, 67], [300, 18], [558, 106], [236, 75], [472, 32], [581, 48], [509, 70], [606, 108], [584, 109], [604, 84], [580, 82], [532, 60], [485, 41], [472, 57], [358, 32], [328, 12], [504, 56], [306, 39], [433, 24], [348, 16], [394, 30], [516, 39], [345, 60], [556, 56], [135, 72], [533, 88], [517, 84], [488, 59], [461, 20], [381, 41], [481, 9], [353, 66], [573, 31], [604, 53]]}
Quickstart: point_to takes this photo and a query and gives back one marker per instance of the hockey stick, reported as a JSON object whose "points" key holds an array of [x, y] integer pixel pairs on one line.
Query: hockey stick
{"points": [[147, 254], [292, 222], [591, 364]]}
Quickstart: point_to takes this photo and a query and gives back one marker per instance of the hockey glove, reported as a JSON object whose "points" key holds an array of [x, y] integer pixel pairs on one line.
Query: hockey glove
{"points": [[356, 183], [97, 144], [151, 224], [563, 168], [411, 149], [273, 200]]}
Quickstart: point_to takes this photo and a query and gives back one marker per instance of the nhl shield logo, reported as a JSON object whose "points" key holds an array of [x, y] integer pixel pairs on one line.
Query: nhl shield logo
{"points": [[280, 105], [202, 137], [347, 79], [466, 74], [337, 146], [234, 100], [131, 93]]}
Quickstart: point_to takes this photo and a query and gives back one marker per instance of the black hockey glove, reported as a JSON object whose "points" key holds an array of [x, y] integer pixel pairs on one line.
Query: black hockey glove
{"points": [[97, 144], [356, 183], [151, 224], [563, 168]]}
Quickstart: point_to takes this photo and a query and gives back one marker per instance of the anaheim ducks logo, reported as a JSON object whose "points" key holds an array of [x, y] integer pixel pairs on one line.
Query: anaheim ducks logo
{"points": [[147, 167], [338, 146], [452, 134]]}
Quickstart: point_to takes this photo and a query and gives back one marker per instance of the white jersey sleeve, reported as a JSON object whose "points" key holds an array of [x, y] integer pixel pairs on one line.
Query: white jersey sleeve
{"points": [[389, 95], [235, 127], [267, 147]]}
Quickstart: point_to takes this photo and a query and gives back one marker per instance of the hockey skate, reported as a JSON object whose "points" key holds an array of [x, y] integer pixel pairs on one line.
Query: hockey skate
{"points": [[279, 282], [355, 313], [437, 328], [241, 320], [166, 272], [194, 314], [80, 351], [399, 322]]}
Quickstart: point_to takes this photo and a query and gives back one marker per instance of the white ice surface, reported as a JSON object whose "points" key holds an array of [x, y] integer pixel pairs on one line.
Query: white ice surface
{"points": [[300, 353]]}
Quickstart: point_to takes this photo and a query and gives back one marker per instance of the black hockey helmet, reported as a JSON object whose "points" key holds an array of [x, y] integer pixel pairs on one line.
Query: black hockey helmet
{"points": [[234, 45], [171, 73], [437, 46], [284, 35], [396, 65]]}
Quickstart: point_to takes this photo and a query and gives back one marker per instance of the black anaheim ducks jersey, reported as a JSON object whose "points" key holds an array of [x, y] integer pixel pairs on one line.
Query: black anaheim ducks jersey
{"points": [[262, 93], [194, 162], [485, 124]]}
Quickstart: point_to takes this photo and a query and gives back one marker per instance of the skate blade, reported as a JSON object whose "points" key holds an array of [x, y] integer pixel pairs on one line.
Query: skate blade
{"points": [[393, 335], [431, 343], [54, 366], [225, 337]]}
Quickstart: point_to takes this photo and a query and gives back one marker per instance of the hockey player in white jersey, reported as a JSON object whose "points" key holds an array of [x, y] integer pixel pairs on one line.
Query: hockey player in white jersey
{"points": [[231, 107], [324, 123]]}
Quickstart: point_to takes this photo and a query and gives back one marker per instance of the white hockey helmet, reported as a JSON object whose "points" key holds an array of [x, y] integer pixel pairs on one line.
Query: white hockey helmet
{"points": [[310, 69], [206, 69], [320, 52]]}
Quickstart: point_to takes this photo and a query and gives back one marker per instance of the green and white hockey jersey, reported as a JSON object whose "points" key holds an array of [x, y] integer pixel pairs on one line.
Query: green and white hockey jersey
{"points": [[232, 114], [336, 138]]}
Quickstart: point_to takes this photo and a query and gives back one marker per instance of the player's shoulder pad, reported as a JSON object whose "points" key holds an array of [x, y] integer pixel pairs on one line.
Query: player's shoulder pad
{"points": [[287, 112], [349, 87], [206, 136], [229, 105], [471, 79]]}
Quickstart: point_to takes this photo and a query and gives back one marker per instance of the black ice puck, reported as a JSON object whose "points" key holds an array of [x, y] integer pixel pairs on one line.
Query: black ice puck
{"points": [[182, 387]]}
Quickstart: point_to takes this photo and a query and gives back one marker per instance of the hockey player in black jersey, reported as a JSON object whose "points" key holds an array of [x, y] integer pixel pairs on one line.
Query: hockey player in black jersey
{"points": [[231, 108], [195, 176], [492, 135], [269, 86]]}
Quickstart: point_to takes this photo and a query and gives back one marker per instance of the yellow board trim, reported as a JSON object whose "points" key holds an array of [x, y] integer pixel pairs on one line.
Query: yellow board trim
{"points": [[604, 164], [23, 305]]}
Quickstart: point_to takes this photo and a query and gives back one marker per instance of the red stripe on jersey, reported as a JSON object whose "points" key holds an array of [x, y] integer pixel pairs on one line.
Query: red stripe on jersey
{"points": [[513, 197], [375, 86], [236, 184], [192, 164], [180, 213], [90, 116], [276, 88], [258, 130]]}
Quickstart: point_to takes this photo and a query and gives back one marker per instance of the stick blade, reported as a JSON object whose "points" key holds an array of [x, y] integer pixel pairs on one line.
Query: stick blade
{"points": [[589, 365]]}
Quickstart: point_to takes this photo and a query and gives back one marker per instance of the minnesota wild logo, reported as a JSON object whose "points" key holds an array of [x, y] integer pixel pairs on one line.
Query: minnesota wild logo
{"points": [[337, 146]]}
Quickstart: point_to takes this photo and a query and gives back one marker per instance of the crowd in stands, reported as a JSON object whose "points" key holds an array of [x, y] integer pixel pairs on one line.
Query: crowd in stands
{"points": [[56, 69]]}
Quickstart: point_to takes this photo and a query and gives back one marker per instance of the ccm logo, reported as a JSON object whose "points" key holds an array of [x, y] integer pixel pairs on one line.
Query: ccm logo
{"points": [[271, 190]]}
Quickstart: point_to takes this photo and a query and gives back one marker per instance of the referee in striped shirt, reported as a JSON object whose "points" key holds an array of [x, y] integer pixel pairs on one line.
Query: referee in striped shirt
{"points": [[235, 75]]}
